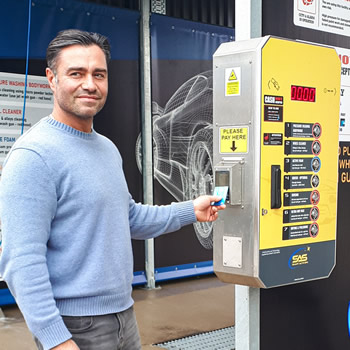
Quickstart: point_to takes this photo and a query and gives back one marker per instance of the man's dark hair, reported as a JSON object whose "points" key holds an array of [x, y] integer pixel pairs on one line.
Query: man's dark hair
{"points": [[71, 37]]}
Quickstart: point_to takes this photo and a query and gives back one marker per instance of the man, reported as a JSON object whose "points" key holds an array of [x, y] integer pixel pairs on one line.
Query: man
{"points": [[67, 216]]}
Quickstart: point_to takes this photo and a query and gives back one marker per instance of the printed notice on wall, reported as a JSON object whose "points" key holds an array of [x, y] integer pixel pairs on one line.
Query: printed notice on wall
{"points": [[332, 16], [39, 103], [344, 123]]}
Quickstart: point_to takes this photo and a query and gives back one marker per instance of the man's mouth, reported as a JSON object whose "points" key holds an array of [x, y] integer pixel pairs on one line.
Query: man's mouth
{"points": [[88, 97]]}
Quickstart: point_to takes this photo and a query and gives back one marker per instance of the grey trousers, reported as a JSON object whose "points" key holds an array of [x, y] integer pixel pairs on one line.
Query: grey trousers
{"points": [[107, 332]]}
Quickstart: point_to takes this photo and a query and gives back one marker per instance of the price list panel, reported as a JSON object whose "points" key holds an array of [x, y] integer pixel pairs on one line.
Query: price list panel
{"points": [[298, 162], [300, 187]]}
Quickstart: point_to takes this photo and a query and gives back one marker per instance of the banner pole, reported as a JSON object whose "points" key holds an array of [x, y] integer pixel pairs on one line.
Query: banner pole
{"points": [[146, 112]]}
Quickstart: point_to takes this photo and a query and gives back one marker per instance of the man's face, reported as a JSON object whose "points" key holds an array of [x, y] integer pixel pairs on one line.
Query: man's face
{"points": [[80, 85]]}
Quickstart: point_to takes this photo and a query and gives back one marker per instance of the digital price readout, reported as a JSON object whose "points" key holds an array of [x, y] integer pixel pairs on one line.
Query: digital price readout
{"points": [[303, 93]]}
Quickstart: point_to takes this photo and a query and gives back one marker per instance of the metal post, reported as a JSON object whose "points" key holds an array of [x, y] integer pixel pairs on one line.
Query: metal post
{"points": [[146, 112], [247, 318], [248, 24], [248, 19]]}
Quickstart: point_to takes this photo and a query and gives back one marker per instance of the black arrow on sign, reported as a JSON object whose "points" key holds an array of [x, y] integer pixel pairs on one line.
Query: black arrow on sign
{"points": [[233, 146]]}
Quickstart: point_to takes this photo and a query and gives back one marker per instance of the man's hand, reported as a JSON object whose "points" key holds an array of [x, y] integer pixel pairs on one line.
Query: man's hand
{"points": [[204, 209], [67, 345]]}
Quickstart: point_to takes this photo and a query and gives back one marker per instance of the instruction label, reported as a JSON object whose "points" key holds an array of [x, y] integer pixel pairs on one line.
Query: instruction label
{"points": [[273, 113], [273, 139], [234, 140], [294, 232], [304, 130], [292, 182], [296, 215], [300, 231], [302, 147], [301, 198], [302, 164], [297, 198], [233, 81], [302, 214]]}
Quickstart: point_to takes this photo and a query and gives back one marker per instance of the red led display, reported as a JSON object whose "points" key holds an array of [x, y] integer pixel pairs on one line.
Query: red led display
{"points": [[303, 93]]}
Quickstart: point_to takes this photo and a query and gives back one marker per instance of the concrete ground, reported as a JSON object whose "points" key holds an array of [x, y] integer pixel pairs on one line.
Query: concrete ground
{"points": [[177, 309]]}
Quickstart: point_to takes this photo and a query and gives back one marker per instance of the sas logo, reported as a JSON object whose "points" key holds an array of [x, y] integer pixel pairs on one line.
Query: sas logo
{"points": [[299, 257]]}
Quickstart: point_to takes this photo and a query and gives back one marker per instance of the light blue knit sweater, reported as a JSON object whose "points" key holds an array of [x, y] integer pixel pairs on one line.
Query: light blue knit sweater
{"points": [[67, 219]]}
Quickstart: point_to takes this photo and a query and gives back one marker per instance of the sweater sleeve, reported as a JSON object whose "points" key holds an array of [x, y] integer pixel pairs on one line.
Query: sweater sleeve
{"points": [[27, 205], [149, 221]]}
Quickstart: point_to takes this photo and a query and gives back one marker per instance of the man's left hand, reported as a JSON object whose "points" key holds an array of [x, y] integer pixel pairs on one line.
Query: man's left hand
{"points": [[204, 209]]}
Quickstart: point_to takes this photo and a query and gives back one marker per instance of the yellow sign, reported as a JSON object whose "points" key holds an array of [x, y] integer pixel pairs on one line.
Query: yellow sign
{"points": [[232, 76], [233, 81], [234, 140], [232, 88]]}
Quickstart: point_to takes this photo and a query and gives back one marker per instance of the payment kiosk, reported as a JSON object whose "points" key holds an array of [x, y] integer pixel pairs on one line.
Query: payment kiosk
{"points": [[275, 153]]}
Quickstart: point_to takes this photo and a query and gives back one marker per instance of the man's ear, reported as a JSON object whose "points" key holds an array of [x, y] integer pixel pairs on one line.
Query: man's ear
{"points": [[51, 78]]}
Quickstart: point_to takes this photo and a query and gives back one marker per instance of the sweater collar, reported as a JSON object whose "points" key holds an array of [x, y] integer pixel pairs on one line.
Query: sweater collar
{"points": [[64, 127]]}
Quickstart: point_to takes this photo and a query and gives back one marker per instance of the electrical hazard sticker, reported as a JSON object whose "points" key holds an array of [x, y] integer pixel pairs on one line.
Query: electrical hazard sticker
{"points": [[233, 81], [234, 140]]}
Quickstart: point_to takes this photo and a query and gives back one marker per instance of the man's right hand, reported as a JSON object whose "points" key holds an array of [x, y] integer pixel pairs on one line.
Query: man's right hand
{"points": [[67, 345]]}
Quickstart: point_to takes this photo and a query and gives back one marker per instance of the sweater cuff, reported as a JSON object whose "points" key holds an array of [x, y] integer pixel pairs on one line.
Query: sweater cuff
{"points": [[185, 211], [53, 335]]}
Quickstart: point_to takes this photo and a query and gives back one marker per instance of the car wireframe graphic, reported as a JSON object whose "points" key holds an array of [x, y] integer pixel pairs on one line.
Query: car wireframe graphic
{"points": [[183, 144]]}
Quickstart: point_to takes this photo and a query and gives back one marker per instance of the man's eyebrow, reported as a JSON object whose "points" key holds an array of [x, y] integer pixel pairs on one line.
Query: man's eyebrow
{"points": [[101, 70], [75, 68], [84, 69]]}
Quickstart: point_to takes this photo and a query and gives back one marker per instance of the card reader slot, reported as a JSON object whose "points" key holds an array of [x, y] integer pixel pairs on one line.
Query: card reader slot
{"points": [[276, 200], [231, 174], [222, 179]]}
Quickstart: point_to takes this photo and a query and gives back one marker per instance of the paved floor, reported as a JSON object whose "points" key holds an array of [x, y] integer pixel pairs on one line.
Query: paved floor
{"points": [[176, 310]]}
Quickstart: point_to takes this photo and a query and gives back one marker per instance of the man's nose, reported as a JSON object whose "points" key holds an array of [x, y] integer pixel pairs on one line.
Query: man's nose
{"points": [[88, 83]]}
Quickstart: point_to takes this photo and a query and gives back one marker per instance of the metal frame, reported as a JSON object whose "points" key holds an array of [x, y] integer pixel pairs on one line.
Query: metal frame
{"points": [[247, 299]]}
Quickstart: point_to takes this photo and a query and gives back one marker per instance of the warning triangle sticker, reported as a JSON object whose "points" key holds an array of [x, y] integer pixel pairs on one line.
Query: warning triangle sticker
{"points": [[232, 76]]}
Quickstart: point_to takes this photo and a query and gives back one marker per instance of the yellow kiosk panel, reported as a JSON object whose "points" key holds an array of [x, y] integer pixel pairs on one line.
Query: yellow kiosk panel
{"points": [[300, 104], [278, 141]]}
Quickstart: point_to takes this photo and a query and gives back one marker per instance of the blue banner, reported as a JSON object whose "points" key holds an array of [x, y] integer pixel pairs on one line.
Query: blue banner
{"points": [[178, 39], [50, 16]]}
